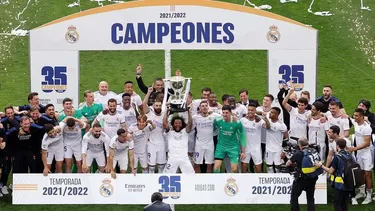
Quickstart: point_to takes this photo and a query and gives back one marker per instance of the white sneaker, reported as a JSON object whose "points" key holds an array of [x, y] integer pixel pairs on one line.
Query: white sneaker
{"points": [[360, 195], [4, 190], [367, 200], [354, 201]]}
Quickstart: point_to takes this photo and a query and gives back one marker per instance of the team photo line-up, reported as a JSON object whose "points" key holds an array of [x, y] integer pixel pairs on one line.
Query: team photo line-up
{"points": [[120, 133]]}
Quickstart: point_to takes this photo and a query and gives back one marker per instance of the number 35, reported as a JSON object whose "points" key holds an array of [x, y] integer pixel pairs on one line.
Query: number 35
{"points": [[54, 76], [294, 72], [170, 185]]}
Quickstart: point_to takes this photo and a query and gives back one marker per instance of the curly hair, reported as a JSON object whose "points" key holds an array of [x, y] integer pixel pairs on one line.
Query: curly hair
{"points": [[176, 117]]}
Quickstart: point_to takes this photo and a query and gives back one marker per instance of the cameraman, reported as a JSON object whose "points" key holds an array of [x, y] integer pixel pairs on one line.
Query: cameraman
{"points": [[301, 182]]}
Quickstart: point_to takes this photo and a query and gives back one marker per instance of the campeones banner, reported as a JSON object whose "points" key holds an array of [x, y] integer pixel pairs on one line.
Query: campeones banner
{"points": [[171, 25], [176, 189]]}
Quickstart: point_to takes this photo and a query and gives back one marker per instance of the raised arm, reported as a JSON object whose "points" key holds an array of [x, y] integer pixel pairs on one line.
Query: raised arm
{"points": [[140, 83], [146, 109]]}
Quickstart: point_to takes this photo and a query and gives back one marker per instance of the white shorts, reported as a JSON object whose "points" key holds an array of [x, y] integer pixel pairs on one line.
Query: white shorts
{"points": [[140, 158], [156, 154], [256, 155], [191, 143], [57, 154], [205, 152], [183, 163], [122, 162], [366, 160], [99, 158], [73, 150], [273, 158]]}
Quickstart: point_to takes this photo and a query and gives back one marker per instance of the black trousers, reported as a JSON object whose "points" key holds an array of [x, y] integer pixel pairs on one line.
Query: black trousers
{"points": [[6, 168], [299, 185], [340, 200], [24, 161]]}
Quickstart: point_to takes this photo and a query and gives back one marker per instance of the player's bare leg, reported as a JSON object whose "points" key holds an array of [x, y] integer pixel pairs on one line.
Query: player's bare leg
{"points": [[79, 166], [68, 165], [59, 165], [210, 168], [234, 167], [244, 167], [217, 166]]}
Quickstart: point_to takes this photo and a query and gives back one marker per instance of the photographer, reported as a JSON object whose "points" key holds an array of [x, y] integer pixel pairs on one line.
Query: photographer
{"points": [[306, 176]]}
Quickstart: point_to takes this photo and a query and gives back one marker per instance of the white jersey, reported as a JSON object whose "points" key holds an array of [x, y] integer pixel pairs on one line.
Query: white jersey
{"points": [[121, 149], [95, 146], [240, 111], [205, 128], [135, 98], [317, 131], [215, 110], [360, 132], [103, 99], [253, 132], [275, 136], [129, 115], [342, 123], [332, 145], [72, 137], [111, 123], [178, 143], [52, 144], [157, 135], [264, 133], [140, 137], [298, 123]]}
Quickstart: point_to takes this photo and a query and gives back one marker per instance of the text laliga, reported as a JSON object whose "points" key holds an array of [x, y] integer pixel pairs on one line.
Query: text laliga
{"points": [[177, 32]]}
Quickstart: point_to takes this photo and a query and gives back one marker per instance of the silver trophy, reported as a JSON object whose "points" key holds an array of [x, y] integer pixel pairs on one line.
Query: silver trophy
{"points": [[181, 88]]}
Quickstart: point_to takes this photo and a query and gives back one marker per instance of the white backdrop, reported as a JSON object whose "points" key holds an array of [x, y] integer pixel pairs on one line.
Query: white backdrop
{"points": [[176, 189], [168, 24]]}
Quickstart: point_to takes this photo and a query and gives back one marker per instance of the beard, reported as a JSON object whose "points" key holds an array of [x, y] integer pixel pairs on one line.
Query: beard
{"points": [[97, 135], [157, 111]]}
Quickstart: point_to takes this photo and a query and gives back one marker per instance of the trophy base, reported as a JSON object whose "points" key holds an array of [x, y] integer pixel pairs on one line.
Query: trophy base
{"points": [[174, 108]]}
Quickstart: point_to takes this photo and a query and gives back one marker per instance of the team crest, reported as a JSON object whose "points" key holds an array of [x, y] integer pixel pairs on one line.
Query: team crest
{"points": [[231, 188], [106, 189], [72, 35], [273, 36]]}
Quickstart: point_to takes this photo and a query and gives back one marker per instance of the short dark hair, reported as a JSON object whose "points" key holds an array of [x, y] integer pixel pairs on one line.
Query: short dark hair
{"points": [[157, 196], [270, 96], [277, 109], [252, 105], [24, 118], [158, 79], [303, 100], [49, 105], [31, 95], [128, 82], [365, 103], [327, 86], [318, 105], [226, 107], [48, 127], [112, 100], [70, 122], [206, 89], [67, 99], [360, 111], [225, 97], [120, 131], [96, 125], [333, 103], [341, 143], [125, 95], [244, 90], [335, 129], [8, 107]]}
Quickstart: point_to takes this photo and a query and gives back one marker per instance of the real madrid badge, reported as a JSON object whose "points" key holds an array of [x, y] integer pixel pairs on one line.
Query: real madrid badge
{"points": [[72, 35], [273, 36]]}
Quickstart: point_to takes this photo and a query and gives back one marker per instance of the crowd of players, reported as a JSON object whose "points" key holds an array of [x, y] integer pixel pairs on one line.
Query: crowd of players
{"points": [[122, 133]]}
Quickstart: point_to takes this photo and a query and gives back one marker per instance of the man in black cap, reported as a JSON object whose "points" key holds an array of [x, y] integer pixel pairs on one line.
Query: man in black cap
{"points": [[157, 203]]}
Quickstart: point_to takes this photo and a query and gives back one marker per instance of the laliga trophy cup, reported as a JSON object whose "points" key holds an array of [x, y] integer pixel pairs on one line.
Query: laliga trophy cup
{"points": [[181, 88]]}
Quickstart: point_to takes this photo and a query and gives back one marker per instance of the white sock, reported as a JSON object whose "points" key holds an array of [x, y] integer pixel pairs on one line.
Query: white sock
{"points": [[144, 171], [172, 207], [270, 169], [161, 168], [362, 189], [369, 193], [151, 169]]}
